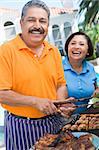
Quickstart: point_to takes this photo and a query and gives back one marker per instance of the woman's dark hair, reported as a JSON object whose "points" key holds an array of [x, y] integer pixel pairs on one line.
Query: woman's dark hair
{"points": [[90, 46]]}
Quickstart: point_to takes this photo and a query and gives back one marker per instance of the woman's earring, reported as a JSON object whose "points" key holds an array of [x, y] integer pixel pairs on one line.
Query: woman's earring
{"points": [[87, 54]]}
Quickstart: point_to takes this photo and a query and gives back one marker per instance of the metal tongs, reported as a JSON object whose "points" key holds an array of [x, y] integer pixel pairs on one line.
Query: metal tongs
{"points": [[57, 103]]}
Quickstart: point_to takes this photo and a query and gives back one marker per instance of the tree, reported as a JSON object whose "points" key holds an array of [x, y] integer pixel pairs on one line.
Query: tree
{"points": [[90, 9]]}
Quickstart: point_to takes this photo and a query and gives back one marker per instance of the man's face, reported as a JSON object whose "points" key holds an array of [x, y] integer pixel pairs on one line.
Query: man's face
{"points": [[34, 26]]}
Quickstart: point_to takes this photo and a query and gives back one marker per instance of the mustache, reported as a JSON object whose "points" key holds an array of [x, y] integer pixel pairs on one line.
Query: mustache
{"points": [[41, 30]]}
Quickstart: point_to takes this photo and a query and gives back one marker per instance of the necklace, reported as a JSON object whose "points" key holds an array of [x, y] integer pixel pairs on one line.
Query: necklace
{"points": [[40, 51]]}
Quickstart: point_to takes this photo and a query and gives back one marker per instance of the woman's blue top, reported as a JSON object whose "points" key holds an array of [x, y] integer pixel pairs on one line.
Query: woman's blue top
{"points": [[80, 85]]}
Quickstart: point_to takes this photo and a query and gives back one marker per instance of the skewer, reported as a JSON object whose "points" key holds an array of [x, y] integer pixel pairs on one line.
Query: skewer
{"points": [[71, 101]]}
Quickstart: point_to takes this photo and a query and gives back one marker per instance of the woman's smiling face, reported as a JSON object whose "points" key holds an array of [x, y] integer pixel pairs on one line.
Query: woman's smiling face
{"points": [[78, 48]]}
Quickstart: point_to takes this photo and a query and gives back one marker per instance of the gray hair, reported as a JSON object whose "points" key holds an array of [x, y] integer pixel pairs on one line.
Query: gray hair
{"points": [[33, 3]]}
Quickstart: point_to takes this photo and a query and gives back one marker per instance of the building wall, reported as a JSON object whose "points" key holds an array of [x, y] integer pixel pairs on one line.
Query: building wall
{"points": [[60, 20], [7, 15]]}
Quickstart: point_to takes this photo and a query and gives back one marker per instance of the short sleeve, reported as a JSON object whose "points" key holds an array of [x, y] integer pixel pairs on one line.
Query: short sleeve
{"points": [[60, 70], [5, 68]]}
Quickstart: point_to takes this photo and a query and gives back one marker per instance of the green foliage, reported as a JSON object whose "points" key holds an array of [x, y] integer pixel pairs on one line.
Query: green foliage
{"points": [[90, 10], [94, 101], [93, 33]]}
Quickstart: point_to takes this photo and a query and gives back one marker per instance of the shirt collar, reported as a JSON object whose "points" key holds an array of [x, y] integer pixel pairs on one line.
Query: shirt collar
{"points": [[67, 66], [20, 43], [22, 46], [85, 67]]}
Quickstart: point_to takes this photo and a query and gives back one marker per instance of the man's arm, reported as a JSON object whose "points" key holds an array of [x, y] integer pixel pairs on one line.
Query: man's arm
{"points": [[62, 92], [12, 98], [61, 95]]}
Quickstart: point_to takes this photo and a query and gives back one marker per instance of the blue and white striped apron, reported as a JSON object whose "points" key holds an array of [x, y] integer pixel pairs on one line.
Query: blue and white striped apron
{"points": [[21, 134]]}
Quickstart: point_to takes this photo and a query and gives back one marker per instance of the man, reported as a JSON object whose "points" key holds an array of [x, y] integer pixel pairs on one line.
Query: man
{"points": [[31, 78]]}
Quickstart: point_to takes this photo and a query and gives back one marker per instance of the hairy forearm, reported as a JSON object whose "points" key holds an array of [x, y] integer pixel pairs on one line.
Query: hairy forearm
{"points": [[12, 98]]}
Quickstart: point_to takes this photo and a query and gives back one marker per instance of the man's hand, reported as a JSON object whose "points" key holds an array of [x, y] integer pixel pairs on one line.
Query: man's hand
{"points": [[46, 106], [66, 109]]}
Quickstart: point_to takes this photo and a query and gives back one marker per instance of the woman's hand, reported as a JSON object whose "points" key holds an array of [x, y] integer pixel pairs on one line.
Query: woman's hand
{"points": [[96, 93]]}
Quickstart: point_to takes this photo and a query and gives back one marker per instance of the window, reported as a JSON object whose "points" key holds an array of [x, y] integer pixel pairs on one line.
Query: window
{"points": [[9, 28], [56, 32], [59, 44], [57, 37], [67, 29]]}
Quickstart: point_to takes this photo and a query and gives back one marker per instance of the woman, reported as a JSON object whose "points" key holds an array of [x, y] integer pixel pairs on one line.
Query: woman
{"points": [[79, 74]]}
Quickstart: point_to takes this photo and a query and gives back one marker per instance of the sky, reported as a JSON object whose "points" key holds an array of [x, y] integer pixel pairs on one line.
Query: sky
{"points": [[18, 4]]}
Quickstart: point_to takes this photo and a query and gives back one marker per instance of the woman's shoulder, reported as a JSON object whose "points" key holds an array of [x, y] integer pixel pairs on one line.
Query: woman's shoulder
{"points": [[65, 62], [89, 64], [64, 59]]}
